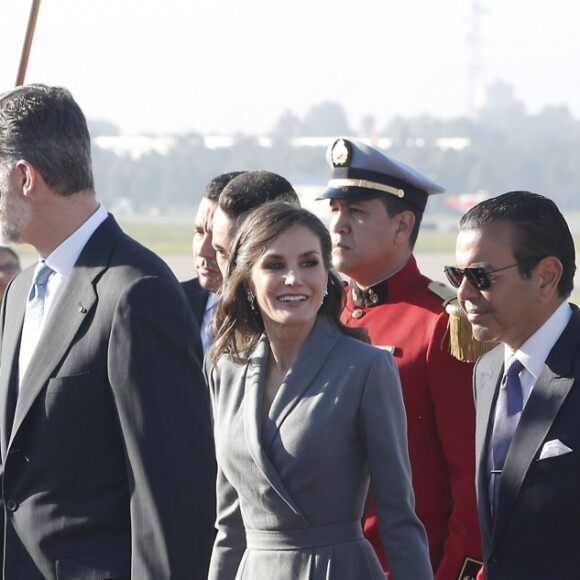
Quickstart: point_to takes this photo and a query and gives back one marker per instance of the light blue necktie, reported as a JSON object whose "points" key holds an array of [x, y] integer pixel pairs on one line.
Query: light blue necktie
{"points": [[35, 305], [33, 317]]}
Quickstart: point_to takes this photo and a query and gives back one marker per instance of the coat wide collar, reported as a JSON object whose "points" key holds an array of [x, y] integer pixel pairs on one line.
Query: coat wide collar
{"points": [[261, 434]]}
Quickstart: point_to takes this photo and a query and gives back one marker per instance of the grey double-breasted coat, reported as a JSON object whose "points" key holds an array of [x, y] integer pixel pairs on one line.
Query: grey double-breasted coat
{"points": [[292, 488]]}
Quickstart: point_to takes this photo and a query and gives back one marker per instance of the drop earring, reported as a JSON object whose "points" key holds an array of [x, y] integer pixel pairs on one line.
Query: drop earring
{"points": [[251, 300], [324, 294]]}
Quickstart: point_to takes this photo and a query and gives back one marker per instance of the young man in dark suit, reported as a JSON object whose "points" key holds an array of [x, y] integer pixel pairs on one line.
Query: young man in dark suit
{"points": [[201, 291], [106, 448], [515, 265]]}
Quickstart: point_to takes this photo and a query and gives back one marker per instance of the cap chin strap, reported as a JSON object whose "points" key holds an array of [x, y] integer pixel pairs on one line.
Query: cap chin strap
{"points": [[340, 183]]}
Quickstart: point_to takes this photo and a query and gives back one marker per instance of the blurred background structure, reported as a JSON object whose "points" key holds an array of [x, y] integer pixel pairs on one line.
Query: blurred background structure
{"points": [[482, 95]]}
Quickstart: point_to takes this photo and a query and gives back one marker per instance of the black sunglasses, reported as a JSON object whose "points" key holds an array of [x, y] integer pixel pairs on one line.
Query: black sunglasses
{"points": [[477, 276]]}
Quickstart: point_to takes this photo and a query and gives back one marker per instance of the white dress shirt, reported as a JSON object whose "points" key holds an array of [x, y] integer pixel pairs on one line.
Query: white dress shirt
{"points": [[62, 261], [533, 354]]}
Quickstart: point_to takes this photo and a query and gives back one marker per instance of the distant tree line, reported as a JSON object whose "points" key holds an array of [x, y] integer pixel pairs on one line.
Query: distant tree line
{"points": [[504, 148]]}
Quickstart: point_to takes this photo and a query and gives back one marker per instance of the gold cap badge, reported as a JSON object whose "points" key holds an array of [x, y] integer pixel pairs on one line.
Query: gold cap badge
{"points": [[341, 153]]}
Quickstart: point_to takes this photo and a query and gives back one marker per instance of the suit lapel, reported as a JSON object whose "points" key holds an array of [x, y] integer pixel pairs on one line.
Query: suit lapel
{"points": [[12, 331], [197, 298], [253, 398], [78, 298], [546, 399], [489, 378], [309, 362]]}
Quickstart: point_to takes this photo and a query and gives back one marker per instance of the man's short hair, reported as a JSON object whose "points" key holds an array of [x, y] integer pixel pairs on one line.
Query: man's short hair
{"points": [[45, 126], [539, 228], [214, 188], [253, 189], [395, 206]]}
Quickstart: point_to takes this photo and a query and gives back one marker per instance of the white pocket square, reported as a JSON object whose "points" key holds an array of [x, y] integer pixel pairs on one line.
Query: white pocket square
{"points": [[554, 448]]}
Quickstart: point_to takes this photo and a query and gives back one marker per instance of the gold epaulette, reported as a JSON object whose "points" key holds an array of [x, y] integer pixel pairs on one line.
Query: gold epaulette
{"points": [[462, 345]]}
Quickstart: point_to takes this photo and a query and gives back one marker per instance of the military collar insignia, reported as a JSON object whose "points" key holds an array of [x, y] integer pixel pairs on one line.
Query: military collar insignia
{"points": [[373, 296], [341, 153]]}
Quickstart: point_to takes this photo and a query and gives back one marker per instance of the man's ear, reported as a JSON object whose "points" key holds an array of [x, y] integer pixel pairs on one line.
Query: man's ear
{"points": [[548, 273], [405, 224], [26, 178]]}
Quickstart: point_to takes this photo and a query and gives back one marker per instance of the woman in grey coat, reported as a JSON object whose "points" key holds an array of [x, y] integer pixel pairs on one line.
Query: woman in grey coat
{"points": [[306, 415]]}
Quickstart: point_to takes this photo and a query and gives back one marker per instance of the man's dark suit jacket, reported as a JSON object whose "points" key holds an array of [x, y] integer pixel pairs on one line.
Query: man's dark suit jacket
{"points": [[536, 531], [108, 469], [197, 298]]}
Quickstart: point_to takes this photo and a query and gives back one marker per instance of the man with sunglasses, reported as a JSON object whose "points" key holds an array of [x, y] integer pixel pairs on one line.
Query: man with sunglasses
{"points": [[515, 270], [377, 204]]}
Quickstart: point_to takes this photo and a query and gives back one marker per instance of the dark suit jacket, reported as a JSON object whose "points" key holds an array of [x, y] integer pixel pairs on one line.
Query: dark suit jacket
{"points": [[536, 531], [197, 298], [108, 470]]}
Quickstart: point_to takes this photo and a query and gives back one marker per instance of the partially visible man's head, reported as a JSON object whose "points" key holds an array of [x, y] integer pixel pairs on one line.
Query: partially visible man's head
{"points": [[208, 272], [44, 143], [522, 259], [15, 213], [46, 127], [9, 267], [242, 195], [377, 204], [539, 229]]}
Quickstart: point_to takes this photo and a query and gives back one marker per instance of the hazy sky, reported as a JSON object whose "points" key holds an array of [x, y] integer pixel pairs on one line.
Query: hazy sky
{"points": [[220, 66]]}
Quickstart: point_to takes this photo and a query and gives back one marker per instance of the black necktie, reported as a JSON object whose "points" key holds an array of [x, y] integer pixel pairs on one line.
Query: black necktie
{"points": [[509, 410]]}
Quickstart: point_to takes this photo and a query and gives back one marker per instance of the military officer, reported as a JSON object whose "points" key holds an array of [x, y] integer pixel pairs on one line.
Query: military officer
{"points": [[377, 204]]}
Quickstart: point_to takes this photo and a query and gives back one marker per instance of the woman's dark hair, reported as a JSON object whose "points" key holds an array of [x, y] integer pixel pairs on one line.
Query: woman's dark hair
{"points": [[238, 328]]}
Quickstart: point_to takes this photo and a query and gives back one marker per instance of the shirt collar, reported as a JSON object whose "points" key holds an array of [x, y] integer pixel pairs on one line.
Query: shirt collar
{"points": [[534, 352], [65, 256], [212, 299]]}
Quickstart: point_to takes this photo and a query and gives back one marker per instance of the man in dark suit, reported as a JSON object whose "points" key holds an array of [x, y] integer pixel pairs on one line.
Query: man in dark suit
{"points": [[515, 270], [201, 291], [105, 439]]}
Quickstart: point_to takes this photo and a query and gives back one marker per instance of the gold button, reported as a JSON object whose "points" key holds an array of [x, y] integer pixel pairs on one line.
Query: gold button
{"points": [[357, 313]]}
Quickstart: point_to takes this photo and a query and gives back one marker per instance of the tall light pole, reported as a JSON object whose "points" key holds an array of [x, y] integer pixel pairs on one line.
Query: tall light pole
{"points": [[27, 42]]}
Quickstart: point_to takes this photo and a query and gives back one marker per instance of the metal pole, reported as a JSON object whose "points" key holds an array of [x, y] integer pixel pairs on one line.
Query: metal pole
{"points": [[27, 42]]}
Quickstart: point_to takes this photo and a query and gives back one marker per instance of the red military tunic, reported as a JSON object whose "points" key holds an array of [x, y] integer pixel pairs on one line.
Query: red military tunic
{"points": [[403, 315]]}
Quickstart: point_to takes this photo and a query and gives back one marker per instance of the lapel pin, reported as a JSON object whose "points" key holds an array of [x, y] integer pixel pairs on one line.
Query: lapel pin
{"points": [[82, 309]]}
